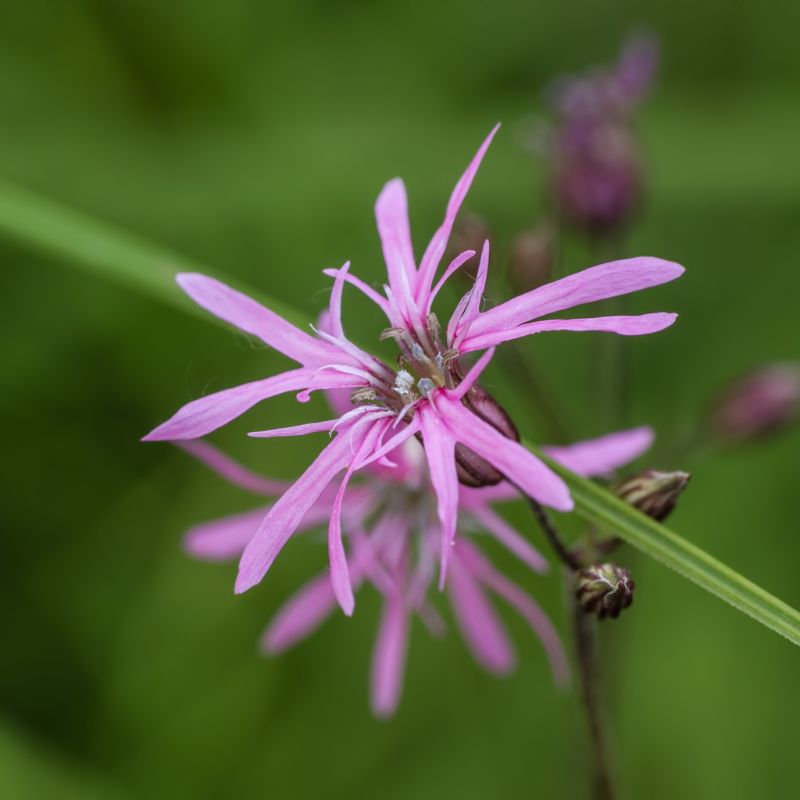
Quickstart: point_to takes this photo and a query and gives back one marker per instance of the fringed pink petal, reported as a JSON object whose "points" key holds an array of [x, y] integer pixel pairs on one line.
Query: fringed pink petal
{"points": [[208, 413], [223, 539], [362, 287], [524, 604], [639, 325], [335, 305], [294, 430], [511, 539], [510, 458], [253, 318], [391, 214], [605, 454], [233, 472], [389, 656], [461, 325], [438, 244], [340, 575], [440, 453], [287, 513], [596, 283], [480, 626]]}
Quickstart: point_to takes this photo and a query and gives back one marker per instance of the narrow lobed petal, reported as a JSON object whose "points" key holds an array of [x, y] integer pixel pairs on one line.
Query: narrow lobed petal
{"points": [[391, 214], [253, 318], [223, 539], [438, 244], [206, 414], [284, 517], [640, 325], [389, 656], [232, 471], [439, 446], [517, 464], [596, 283], [597, 457], [480, 626]]}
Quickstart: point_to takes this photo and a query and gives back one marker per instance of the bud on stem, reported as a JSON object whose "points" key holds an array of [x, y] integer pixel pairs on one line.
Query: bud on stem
{"points": [[652, 492], [605, 590]]}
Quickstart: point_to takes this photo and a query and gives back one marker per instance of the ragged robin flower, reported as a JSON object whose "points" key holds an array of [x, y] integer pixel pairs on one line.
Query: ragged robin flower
{"points": [[430, 394]]}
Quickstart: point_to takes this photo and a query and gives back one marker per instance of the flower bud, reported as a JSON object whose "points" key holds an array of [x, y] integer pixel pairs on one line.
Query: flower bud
{"points": [[761, 402], [472, 469], [653, 493], [531, 258], [604, 589]]}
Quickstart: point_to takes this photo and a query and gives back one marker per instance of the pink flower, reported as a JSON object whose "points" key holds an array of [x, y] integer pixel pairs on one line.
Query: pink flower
{"points": [[464, 432], [390, 522]]}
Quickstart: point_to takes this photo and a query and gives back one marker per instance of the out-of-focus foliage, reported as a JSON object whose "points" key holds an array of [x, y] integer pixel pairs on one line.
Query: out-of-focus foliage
{"points": [[254, 137]]}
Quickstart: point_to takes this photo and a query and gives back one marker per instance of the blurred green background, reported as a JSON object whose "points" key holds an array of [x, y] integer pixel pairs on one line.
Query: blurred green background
{"points": [[254, 137]]}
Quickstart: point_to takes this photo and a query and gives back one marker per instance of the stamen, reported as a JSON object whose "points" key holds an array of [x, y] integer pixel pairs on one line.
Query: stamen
{"points": [[425, 386]]}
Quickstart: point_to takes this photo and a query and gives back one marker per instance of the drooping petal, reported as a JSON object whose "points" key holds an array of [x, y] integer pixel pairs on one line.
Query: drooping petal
{"points": [[523, 603], [482, 629], [510, 458], [223, 539], [600, 456], [639, 325], [340, 575], [208, 413], [233, 472], [391, 214], [389, 656], [284, 517], [438, 244], [596, 283], [472, 376], [253, 318], [440, 452], [514, 541]]}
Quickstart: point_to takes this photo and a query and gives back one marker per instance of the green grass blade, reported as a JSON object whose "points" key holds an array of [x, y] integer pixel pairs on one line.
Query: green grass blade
{"points": [[597, 505], [95, 247]]}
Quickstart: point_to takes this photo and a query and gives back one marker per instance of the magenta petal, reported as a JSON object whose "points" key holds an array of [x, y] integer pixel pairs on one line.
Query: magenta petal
{"points": [[515, 542], [523, 603], [233, 472], [251, 317], [596, 283], [287, 513], [440, 453], [640, 325], [208, 413], [340, 575], [482, 630], [438, 244], [517, 464], [604, 454], [391, 214], [224, 538], [295, 430], [389, 657]]}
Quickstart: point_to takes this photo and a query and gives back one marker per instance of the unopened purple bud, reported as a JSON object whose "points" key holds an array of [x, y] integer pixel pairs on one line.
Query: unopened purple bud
{"points": [[532, 257], [762, 402], [473, 470], [605, 590], [653, 493]]}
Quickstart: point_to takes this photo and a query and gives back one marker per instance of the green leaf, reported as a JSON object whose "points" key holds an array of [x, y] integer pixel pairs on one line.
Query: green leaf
{"points": [[98, 248]]}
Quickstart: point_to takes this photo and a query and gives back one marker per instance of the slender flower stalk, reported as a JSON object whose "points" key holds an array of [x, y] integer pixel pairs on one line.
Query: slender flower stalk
{"points": [[466, 435]]}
